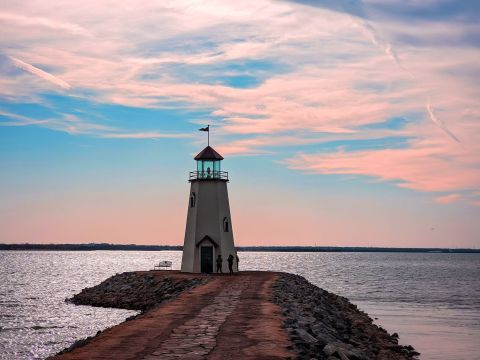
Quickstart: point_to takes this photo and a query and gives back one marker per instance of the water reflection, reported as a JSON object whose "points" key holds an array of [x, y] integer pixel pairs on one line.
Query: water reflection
{"points": [[431, 300]]}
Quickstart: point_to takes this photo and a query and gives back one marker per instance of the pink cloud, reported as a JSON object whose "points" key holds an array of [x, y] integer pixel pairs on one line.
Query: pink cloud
{"points": [[447, 199], [342, 74], [255, 146], [426, 166], [34, 21]]}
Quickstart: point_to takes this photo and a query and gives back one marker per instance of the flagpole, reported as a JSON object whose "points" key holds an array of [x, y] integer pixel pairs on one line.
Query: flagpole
{"points": [[208, 136]]}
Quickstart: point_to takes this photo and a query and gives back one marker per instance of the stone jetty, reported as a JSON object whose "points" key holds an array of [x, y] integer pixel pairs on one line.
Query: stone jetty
{"points": [[320, 322], [250, 315], [135, 291]]}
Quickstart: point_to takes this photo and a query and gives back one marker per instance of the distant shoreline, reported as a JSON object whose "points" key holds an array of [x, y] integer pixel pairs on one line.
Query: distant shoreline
{"points": [[133, 247]]}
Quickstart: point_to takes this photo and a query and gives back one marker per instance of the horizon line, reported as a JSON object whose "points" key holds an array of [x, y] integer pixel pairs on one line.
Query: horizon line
{"points": [[273, 248]]}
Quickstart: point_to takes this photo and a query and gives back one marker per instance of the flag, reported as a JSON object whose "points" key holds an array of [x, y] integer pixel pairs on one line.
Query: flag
{"points": [[205, 128]]}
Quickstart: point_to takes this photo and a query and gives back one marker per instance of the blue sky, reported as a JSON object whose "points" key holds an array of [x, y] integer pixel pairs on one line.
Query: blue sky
{"points": [[342, 122]]}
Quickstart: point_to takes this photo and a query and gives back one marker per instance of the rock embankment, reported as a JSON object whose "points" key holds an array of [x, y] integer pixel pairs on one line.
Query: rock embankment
{"points": [[320, 325], [134, 291], [323, 325]]}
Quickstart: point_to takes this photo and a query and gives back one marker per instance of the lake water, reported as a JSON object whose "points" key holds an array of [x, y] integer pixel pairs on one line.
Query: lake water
{"points": [[431, 300]]}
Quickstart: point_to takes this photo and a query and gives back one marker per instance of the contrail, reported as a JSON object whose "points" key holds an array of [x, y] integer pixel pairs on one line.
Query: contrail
{"points": [[387, 48], [439, 123], [376, 40], [40, 73]]}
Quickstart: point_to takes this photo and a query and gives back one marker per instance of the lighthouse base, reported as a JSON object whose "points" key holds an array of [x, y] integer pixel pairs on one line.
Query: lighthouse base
{"points": [[208, 232]]}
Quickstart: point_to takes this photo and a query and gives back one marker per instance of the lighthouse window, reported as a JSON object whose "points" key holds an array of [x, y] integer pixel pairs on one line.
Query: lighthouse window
{"points": [[216, 166], [225, 225], [192, 200]]}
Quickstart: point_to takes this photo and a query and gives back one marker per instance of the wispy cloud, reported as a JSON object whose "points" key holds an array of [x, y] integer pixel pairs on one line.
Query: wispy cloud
{"points": [[447, 199], [340, 71], [438, 122], [425, 166], [378, 41], [67, 123], [145, 135], [76, 125], [40, 73], [34, 21], [19, 120]]}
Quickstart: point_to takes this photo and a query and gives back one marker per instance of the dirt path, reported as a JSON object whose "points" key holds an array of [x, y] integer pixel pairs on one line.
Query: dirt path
{"points": [[230, 317]]}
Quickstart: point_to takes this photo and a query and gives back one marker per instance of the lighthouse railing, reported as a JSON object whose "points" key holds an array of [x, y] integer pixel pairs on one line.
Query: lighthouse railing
{"points": [[208, 175]]}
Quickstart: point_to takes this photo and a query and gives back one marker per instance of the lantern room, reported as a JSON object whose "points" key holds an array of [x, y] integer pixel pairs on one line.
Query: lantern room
{"points": [[208, 166]]}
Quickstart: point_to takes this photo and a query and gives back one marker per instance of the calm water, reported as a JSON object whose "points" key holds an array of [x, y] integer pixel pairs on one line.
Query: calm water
{"points": [[431, 300]]}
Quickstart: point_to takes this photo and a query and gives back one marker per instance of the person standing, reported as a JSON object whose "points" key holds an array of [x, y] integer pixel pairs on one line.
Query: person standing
{"points": [[219, 263], [230, 263], [238, 260]]}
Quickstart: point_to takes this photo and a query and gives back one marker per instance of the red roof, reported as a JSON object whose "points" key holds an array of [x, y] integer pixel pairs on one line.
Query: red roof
{"points": [[208, 154]]}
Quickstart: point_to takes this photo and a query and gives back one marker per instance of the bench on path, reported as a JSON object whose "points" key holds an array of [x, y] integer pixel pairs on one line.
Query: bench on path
{"points": [[167, 265]]}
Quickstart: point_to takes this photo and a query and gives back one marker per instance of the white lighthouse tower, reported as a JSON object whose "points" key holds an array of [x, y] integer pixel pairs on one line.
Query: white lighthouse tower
{"points": [[208, 232]]}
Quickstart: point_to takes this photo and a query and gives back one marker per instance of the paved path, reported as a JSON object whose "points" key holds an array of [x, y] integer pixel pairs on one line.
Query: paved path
{"points": [[196, 338], [230, 317]]}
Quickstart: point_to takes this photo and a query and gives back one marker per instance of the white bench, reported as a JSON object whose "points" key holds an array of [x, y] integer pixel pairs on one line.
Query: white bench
{"points": [[163, 265]]}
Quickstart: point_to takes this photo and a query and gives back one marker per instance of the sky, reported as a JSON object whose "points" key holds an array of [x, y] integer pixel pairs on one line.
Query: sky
{"points": [[342, 123]]}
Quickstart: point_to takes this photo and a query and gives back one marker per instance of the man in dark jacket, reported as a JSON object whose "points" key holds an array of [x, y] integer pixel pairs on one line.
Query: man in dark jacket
{"points": [[230, 263], [219, 263]]}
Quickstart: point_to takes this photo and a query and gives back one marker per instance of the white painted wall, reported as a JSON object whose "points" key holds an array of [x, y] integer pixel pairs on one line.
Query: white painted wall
{"points": [[206, 218]]}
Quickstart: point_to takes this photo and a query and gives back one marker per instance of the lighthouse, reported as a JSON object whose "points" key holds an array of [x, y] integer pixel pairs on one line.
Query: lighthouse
{"points": [[209, 231]]}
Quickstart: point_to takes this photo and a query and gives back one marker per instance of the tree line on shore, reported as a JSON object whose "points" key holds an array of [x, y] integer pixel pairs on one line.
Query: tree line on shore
{"points": [[134, 247]]}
